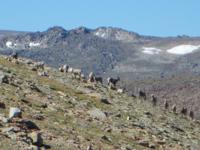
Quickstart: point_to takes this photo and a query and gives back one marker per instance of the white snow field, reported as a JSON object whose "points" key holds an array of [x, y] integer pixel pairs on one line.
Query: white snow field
{"points": [[32, 44], [177, 50], [151, 50], [9, 44], [183, 49]]}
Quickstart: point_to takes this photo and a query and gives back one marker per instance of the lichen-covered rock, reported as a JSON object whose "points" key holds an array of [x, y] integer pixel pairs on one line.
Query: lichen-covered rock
{"points": [[144, 143], [3, 78], [97, 114]]}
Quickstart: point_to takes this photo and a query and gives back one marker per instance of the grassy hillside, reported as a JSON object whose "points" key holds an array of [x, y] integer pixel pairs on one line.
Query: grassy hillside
{"points": [[71, 114]]}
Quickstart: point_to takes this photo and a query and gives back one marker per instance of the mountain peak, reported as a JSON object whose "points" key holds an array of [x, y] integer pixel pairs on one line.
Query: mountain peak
{"points": [[80, 30], [115, 34], [56, 29]]}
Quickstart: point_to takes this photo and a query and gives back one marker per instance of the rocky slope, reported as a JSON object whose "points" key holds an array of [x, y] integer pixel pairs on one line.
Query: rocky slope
{"points": [[60, 112], [182, 90]]}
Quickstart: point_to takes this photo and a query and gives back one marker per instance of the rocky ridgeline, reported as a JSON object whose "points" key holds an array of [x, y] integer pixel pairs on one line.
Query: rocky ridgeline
{"points": [[43, 108]]}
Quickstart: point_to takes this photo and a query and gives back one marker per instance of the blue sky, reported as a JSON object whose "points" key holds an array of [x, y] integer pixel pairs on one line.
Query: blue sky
{"points": [[148, 17]]}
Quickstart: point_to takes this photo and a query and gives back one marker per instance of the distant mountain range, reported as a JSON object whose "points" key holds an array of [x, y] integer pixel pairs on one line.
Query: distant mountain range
{"points": [[107, 50]]}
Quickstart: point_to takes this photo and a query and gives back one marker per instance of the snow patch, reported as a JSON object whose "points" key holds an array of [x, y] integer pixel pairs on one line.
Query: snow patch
{"points": [[32, 44], [100, 34], [151, 50], [183, 49], [9, 44], [177, 50], [103, 35], [97, 33]]}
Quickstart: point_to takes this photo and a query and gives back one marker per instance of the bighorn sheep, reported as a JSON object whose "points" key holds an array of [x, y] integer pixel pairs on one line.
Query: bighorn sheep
{"points": [[98, 79], [166, 104], [44, 74], [142, 94], [191, 114], [91, 77], [111, 86], [184, 111], [70, 70], [83, 78], [174, 108], [14, 55], [63, 68], [112, 80], [153, 99], [39, 65], [77, 73]]}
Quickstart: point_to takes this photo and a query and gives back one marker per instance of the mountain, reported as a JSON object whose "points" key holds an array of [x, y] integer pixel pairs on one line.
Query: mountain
{"points": [[57, 111], [154, 64], [106, 50]]}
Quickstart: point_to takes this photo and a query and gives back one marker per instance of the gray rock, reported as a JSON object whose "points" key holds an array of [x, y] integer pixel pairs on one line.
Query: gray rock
{"points": [[152, 145], [105, 138], [33, 68], [3, 78], [148, 113], [97, 114], [28, 62], [127, 148], [193, 147], [161, 142], [139, 125], [33, 147], [14, 112], [4, 119], [12, 135], [105, 101], [144, 143], [8, 129]]}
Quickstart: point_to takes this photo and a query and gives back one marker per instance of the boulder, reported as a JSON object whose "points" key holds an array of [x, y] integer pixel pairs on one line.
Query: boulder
{"points": [[3, 78], [29, 125], [4, 119], [33, 147], [97, 114], [120, 91], [152, 145], [144, 143], [105, 138], [15, 112], [105, 101], [7, 129]]}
